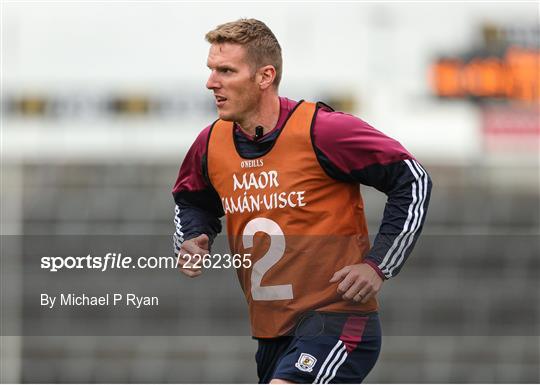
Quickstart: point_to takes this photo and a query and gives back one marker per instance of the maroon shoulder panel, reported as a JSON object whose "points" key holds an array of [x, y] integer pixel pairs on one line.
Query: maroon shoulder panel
{"points": [[352, 144], [190, 176]]}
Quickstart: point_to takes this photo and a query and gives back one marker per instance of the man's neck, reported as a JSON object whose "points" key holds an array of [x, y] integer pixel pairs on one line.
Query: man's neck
{"points": [[267, 116]]}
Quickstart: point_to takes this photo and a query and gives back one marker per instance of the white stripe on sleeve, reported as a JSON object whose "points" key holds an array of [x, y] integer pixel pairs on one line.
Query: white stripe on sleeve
{"points": [[415, 213], [178, 236], [416, 226]]}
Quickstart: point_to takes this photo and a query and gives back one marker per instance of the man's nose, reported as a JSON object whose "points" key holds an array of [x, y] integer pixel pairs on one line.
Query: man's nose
{"points": [[212, 82]]}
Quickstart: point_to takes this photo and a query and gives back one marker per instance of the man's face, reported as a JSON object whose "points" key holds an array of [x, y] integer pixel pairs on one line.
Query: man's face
{"points": [[233, 81]]}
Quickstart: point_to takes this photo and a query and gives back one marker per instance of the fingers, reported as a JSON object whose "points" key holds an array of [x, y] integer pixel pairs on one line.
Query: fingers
{"points": [[191, 273], [189, 261], [192, 247], [202, 241], [363, 294], [185, 263], [367, 291], [340, 274], [346, 284], [191, 254], [353, 290], [359, 283], [368, 296]]}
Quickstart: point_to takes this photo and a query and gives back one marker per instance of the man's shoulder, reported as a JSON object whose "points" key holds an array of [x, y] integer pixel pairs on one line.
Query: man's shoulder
{"points": [[328, 119], [198, 146], [204, 134], [287, 103]]}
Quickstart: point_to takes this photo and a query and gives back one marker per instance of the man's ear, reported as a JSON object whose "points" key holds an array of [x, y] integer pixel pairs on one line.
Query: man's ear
{"points": [[267, 75]]}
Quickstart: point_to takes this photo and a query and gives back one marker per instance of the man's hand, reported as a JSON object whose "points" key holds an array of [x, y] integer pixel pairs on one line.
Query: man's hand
{"points": [[191, 252], [359, 282]]}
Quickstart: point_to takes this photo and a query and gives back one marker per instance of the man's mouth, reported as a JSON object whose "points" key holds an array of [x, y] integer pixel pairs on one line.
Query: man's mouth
{"points": [[220, 100]]}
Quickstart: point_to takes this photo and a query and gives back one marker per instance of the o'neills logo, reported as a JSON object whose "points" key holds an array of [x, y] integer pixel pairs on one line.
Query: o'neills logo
{"points": [[259, 201], [251, 163]]}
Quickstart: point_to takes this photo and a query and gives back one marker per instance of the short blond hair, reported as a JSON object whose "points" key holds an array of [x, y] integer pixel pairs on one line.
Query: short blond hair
{"points": [[262, 47]]}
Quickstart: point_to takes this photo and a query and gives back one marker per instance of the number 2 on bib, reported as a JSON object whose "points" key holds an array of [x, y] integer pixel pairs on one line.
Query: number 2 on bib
{"points": [[273, 255]]}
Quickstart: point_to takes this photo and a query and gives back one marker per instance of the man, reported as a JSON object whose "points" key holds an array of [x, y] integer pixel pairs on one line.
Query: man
{"points": [[286, 174]]}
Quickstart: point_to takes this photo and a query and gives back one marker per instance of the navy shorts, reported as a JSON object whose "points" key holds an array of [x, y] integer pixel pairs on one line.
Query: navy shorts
{"points": [[325, 348]]}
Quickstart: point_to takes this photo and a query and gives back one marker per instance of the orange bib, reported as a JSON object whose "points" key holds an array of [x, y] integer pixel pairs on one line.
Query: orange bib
{"points": [[299, 225]]}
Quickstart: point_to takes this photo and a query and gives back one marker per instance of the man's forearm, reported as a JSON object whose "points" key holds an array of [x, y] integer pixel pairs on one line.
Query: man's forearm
{"points": [[403, 219], [191, 221]]}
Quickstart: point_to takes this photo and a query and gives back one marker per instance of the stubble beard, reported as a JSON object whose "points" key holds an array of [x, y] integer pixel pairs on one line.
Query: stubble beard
{"points": [[240, 115]]}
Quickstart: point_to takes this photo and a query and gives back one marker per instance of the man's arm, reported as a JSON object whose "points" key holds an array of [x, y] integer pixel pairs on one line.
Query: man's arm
{"points": [[408, 187], [351, 150], [198, 207], [195, 213]]}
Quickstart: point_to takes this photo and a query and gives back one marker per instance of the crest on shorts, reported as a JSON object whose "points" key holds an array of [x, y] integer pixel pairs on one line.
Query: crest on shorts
{"points": [[306, 362]]}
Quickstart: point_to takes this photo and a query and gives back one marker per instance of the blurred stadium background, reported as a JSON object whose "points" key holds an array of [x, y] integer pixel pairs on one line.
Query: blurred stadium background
{"points": [[100, 102]]}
